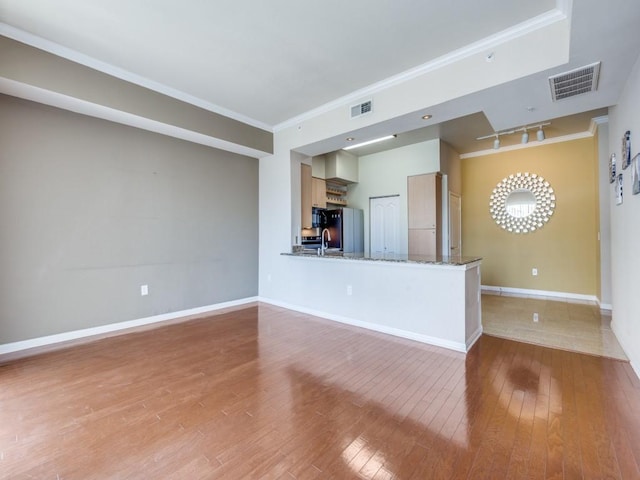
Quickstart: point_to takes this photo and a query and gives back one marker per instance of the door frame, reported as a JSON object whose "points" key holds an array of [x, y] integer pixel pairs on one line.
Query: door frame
{"points": [[459, 197]]}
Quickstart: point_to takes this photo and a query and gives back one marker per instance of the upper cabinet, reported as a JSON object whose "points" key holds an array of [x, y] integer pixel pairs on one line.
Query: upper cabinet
{"points": [[424, 194], [305, 195], [318, 192], [341, 167]]}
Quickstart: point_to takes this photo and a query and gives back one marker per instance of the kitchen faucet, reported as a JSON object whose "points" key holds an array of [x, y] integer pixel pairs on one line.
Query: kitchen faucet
{"points": [[323, 246]]}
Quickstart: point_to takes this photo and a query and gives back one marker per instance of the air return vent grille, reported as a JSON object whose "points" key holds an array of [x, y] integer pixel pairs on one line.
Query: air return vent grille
{"points": [[578, 81], [361, 109]]}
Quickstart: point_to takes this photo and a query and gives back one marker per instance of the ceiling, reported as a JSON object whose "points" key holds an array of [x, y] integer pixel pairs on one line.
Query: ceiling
{"points": [[268, 62], [462, 133]]}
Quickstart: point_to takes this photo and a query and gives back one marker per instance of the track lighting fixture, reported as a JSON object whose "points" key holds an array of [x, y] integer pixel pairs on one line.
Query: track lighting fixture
{"points": [[525, 134]]}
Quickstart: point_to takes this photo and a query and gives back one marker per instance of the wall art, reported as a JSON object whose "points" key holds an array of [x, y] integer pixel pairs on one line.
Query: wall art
{"points": [[635, 174], [626, 149], [619, 190], [612, 168], [522, 203]]}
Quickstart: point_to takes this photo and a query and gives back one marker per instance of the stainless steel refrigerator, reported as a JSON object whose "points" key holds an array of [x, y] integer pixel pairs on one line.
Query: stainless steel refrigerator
{"points": [[346, 226]]}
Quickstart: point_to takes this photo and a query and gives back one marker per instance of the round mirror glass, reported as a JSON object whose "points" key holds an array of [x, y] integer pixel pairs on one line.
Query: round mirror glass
{"points": [[520, 203]]}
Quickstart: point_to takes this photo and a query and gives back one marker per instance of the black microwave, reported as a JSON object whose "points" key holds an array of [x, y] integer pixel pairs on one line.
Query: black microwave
{"points": [[318, 217]]}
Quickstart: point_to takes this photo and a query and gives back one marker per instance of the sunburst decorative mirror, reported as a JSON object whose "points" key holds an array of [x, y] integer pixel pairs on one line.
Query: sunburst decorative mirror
{"points": [[522, 203]]}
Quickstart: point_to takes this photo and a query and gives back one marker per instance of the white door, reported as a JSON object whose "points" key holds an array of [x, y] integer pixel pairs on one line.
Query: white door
{"points": [[455, 224], [384, 224]]}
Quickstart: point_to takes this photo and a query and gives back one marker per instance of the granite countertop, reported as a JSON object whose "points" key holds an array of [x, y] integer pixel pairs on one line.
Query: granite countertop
{"points": [[397, 258]]}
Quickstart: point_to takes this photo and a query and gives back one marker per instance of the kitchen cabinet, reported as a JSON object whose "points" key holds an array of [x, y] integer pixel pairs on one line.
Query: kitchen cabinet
{"points": [[424, 199], [318, 192], [313, 193], [305, 196], [422, 241]]}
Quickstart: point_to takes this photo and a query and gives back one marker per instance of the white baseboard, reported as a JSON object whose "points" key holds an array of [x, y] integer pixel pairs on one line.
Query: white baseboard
{"points": [[525, 292], [9, 351], [396, 332], [606, 306], [622, 340], [474, 338]]}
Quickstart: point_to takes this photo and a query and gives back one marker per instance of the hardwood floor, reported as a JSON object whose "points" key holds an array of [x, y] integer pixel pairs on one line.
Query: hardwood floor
{"points": [[264, 392]]}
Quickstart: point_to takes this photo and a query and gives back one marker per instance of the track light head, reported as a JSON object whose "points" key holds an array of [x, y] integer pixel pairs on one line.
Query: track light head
{"points": [[525, 134]]}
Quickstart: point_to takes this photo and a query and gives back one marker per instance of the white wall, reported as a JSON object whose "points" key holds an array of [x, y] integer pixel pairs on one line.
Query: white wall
{"points": [[625, 226], [319, 166], [385, 173], [435, 304], [605, 216]]}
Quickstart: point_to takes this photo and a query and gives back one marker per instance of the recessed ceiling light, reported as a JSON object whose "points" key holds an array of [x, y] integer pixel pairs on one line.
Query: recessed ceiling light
{"points": [[369, 142], [350, 139], [426, 117]]}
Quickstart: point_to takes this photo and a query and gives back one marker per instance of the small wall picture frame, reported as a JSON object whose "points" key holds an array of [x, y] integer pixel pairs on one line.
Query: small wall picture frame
{"points": [[612, 168], [619, 190], [635, 174], [626, 150]]}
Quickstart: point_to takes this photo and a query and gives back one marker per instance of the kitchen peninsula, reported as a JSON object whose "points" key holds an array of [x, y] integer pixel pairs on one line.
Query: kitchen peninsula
{"points": [[431, 299]]}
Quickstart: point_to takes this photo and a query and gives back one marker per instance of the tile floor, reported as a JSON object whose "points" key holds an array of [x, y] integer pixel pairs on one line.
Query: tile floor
{"points": [[578, 327]]}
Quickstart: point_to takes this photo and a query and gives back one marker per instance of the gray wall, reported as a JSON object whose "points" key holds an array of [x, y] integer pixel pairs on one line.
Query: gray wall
{"points": [[90, 210]]}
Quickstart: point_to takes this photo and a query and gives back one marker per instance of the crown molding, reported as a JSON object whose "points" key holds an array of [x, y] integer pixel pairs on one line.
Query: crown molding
{"points": [[596, 122], [565, 6], [117, 72]]}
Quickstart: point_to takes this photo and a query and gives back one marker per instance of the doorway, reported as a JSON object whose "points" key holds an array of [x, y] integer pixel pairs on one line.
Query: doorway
{"points": [[384, 224]]}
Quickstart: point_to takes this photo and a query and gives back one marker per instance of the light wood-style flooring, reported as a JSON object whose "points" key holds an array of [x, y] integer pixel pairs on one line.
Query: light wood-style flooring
{"points": [[264, 392], [568, 325]]}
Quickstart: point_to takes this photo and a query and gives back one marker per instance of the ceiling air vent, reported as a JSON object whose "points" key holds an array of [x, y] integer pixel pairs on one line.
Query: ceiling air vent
{"points": [[578, 81], [361, 109]]}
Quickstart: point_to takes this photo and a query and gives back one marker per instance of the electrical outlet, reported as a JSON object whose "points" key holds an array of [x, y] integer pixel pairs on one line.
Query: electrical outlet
{"points": [[535, 317], [349, 290], [144, 290], [534, 272]]}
